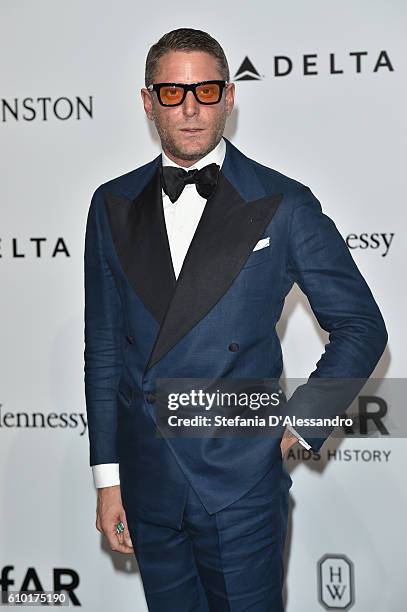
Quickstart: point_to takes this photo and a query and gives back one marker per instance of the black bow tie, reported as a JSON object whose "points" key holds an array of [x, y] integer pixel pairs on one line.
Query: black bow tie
{"points": [[174, 179]]}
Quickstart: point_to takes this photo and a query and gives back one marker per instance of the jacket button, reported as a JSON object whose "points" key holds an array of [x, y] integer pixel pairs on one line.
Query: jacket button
{"points": [[233, 347], [150, 397], [130, 339]]}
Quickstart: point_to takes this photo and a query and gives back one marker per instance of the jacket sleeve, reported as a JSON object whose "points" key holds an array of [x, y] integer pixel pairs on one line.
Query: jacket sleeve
{"points": [[102, 354], [320, 263]]}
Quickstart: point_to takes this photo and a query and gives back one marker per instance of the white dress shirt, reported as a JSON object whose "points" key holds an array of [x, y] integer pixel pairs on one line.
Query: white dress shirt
{"points": [[181, 219]]}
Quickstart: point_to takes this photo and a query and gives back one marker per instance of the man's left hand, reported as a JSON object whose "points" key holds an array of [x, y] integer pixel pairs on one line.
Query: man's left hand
{"points": [[287, 441]]}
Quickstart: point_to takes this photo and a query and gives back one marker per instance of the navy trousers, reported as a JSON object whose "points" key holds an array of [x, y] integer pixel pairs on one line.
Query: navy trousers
{"points": [[230, 561]]}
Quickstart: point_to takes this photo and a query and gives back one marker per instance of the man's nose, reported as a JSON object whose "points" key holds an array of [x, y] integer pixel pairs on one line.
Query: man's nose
{"points": [[190, 105]]}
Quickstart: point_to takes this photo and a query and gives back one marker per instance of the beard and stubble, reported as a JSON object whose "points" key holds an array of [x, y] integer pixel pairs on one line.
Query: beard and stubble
{"points": [[197, 147]]}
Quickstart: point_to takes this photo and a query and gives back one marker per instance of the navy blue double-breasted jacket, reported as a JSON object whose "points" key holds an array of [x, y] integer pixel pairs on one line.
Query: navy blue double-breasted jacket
{"points": [[142, 324]]}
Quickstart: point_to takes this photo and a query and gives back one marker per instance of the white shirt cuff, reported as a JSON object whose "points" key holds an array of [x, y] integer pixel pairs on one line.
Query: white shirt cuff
{"points": [[105, 475], [300, 438]]}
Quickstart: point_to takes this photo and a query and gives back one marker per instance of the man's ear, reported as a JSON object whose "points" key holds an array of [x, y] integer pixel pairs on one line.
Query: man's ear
{"points": [[230, 97], [147, 103]]}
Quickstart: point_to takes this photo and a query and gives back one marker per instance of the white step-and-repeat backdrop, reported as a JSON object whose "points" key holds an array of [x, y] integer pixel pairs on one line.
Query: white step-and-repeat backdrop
{"points": [[324, 101]]}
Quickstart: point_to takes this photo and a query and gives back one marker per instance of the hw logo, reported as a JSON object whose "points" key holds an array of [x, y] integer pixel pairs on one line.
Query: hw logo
{"points": [[335, 582]]}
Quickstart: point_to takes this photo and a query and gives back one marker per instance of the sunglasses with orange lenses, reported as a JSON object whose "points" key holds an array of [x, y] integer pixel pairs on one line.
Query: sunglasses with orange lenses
{"points": [[173, 94]]}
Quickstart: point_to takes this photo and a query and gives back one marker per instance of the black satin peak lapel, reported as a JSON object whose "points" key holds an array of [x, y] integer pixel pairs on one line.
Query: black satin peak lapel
{"points": [[225, 236], [140, 237]]}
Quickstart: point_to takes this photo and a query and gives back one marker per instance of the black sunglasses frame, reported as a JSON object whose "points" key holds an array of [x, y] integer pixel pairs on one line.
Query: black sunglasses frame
{"points": [[188, 87]]}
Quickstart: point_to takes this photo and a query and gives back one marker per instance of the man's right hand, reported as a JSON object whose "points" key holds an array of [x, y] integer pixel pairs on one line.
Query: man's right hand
{"points": [[109, 512]]}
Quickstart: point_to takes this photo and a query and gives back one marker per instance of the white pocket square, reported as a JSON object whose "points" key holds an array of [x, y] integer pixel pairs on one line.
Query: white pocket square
{"points": [[263, 242]]}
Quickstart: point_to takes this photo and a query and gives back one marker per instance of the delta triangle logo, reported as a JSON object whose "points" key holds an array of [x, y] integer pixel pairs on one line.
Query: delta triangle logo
{"points": [[247, 72]]}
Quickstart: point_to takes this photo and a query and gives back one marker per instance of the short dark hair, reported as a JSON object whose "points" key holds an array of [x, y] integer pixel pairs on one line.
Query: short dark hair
{"points": [[185, 39]]}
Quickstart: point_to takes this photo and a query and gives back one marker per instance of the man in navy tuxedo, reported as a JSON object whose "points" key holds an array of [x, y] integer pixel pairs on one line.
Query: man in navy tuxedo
{"points": [[188, 260]]}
